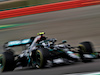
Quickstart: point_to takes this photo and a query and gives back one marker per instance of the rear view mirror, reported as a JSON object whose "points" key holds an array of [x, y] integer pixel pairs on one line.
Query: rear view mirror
{"points": [[64, 41]]}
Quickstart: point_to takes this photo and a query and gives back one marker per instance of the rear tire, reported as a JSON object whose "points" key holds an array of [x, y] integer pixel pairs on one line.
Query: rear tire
{"points": [[86, 47]]}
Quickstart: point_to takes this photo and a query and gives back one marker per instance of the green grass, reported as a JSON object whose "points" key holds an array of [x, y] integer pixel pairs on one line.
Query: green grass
{"points": [[12, 25]]}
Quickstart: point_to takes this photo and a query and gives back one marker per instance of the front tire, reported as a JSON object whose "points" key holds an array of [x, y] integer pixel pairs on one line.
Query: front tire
{"points": [[7, 61], [42, 55]]}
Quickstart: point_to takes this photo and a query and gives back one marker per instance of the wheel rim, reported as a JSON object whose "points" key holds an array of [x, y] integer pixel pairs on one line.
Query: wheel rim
{"points": [[39, 59], [82, 47]]}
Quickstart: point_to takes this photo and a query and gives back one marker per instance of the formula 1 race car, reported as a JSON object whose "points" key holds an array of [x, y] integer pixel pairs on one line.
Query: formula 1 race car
{"points": [[45, 54]]}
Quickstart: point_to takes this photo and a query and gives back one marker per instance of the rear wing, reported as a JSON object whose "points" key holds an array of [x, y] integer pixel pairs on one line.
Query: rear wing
{"points": [[17, 43]]}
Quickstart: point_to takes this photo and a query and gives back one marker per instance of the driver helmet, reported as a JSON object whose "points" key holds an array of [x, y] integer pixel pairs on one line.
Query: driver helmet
{"points": [[41, 33]]}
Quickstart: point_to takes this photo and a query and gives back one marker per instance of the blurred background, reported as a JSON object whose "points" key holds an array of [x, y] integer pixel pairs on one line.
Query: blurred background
{"points": [[75, 25], [13, 4]]}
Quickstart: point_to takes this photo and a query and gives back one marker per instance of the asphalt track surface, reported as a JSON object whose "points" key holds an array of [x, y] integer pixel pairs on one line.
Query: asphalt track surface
{"points": [[74, 25]]}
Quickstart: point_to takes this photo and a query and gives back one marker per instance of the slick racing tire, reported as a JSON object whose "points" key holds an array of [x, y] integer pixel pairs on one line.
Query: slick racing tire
{"points": [[42, 54], [86, 47], [7, 61]]}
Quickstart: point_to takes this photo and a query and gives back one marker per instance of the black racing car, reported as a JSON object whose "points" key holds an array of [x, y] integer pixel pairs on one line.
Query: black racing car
{"points": [[45, 54]]}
